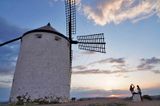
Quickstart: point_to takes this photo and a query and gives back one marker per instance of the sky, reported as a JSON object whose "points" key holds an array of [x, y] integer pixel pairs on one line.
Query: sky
{"points": [[131, 30]]}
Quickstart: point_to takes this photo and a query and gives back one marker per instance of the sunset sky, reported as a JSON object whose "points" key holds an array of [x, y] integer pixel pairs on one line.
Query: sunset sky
{"points": [[132, 34]]}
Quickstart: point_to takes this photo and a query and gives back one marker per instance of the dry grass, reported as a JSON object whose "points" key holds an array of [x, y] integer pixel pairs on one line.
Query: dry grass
{"points": [[102, 102]]}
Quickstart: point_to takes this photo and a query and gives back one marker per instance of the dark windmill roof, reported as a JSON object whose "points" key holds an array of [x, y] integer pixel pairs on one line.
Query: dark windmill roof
{"points": [[47, 28]]}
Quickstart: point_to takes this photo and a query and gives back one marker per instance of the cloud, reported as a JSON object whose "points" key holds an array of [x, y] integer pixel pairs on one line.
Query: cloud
{"points": [[149, 64], [113, 60], [117, 11], [6, 76], [80, 67], [98, 71], [6, 71], [118, 66], [87, 92], [156, 71], [110, 60], [9, 52], [153, 60], [6, 80], [9, 31], [113, 66]]}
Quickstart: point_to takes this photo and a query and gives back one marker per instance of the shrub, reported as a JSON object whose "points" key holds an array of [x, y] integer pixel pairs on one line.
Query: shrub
{"points": [[147, 97]]}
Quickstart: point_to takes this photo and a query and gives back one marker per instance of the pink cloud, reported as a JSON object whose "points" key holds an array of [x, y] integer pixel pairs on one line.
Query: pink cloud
{"points": [[117, 11]]}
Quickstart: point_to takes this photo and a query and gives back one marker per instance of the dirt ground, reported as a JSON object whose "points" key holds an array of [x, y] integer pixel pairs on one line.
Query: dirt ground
{"points": [[109, 102]]}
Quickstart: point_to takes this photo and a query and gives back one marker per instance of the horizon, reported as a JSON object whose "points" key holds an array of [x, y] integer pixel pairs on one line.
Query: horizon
{"points": [[132, 34]]}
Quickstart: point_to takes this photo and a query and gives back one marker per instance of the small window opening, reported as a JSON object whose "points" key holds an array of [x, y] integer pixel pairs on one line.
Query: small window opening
{"points": [[57, 38], [38, 35]]}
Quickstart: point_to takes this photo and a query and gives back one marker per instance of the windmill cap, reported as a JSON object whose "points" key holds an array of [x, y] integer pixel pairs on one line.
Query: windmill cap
{"points": [[47, 28]]}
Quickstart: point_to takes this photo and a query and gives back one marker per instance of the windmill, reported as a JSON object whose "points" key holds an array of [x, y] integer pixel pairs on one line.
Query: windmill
{"points": [[43, 69]]}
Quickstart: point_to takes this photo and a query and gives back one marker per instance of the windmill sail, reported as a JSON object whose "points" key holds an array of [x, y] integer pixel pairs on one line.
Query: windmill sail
{"points": [[94, 42], [10, 41], [70, 7]]}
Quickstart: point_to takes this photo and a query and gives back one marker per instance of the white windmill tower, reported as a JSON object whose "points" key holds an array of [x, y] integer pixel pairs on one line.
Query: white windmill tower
{"points": [[43, 66], [43, 69]]}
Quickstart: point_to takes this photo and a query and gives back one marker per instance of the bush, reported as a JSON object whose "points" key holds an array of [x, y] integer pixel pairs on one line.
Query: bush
{"points": [[147, 97]]}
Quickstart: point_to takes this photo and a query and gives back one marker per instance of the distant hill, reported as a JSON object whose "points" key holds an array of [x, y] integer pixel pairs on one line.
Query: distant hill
{"points": [[156, 97]]}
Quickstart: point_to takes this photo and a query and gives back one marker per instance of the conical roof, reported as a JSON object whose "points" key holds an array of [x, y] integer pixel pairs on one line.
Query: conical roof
{"points": [[47, 28]]}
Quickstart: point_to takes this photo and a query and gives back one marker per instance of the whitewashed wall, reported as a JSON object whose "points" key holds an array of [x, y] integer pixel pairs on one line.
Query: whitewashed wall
{"points": [[43, 67]]}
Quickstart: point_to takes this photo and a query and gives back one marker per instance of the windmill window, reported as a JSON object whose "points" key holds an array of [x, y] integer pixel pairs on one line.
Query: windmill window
{"points": [[57, 38], [38, 35]]}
